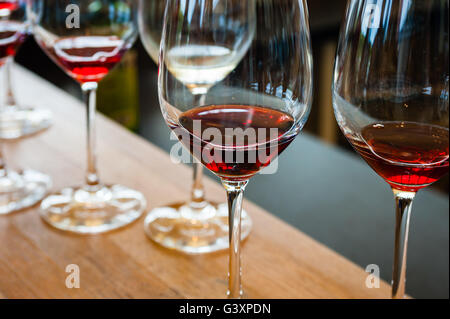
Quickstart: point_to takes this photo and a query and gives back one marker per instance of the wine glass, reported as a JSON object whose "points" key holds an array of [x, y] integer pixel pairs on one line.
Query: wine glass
{"points": [[24, 188], [259, 98], [198, 225], [16, 120], [390, 97], [87, 39]]}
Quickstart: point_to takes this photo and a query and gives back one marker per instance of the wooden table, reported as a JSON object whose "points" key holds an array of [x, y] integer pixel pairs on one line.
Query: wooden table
{"points": [[278, 260]]}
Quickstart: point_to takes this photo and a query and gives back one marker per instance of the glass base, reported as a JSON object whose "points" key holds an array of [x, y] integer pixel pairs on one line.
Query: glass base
{"points": [[92, 212], [174, 227], [16, 122], [19, 190]]}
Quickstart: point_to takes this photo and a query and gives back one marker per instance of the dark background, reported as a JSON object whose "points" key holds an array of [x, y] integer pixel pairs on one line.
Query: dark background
{"points": [[355, 220]]}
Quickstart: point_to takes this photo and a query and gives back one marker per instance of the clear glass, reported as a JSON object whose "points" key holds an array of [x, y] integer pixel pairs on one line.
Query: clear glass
{"points": [[390, 97], [18, 189], [86, 39], [16, 120], [196, 226], [248, 114]]}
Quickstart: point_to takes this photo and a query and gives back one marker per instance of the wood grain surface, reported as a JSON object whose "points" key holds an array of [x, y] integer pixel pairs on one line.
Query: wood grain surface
{"points": [[278, 260]]}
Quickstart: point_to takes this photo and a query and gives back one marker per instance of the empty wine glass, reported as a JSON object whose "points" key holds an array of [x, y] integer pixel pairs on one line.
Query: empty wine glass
{"points": [[390, 98], [16, 120], [256, 88], [197, 226], [87, 39]]}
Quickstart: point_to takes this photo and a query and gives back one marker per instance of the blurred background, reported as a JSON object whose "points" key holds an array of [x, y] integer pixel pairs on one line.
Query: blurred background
{"points": [[357, 223]]}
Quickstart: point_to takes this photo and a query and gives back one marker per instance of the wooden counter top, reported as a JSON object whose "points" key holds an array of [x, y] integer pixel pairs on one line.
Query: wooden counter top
{"points": [[278, 260]]}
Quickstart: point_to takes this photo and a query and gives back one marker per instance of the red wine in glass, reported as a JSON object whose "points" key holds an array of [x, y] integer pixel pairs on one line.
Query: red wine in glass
{"points": [[408, 155], [244, 139], [87, 53], [9, 5], [12, 35], [88, 58]]}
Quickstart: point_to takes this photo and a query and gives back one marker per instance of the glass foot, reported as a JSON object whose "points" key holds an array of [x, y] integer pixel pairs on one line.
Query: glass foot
{"points": [[92, 212], [173, 227], [16, 122], [19, 190]]}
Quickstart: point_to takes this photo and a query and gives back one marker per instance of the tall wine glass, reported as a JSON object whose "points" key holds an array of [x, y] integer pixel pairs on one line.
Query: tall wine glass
{"points": [[23, 188], [259, 102], [390, 98], [198, 225], [16, 120], [87, 38]]}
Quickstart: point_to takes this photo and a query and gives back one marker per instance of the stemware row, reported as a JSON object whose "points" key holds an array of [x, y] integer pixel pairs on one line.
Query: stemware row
{"points": [[235, 87]]}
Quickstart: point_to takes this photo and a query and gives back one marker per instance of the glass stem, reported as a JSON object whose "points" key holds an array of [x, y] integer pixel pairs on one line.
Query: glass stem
{"points": [[3, 171], [403, 202], [198, 190], [10, 100], [92, 180], [235, 195]]}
